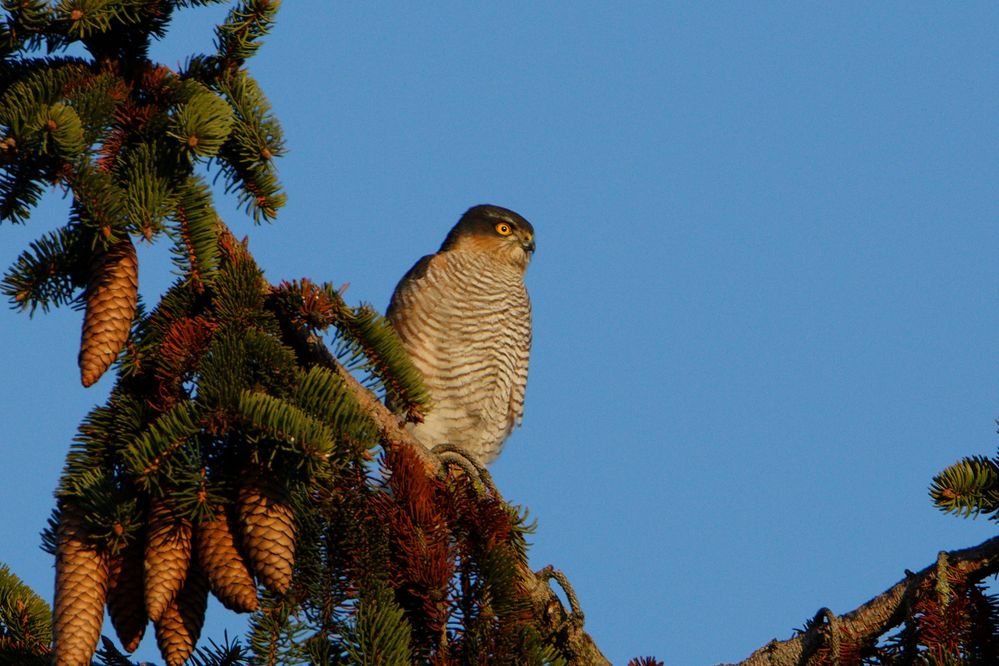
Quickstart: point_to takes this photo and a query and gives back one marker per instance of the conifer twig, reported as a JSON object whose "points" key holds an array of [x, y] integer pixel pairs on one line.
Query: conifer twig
{"points": [[880, 614]]}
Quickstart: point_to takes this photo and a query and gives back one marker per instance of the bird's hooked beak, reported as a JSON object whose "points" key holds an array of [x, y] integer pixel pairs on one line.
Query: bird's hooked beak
{"points": [[527, 242]]}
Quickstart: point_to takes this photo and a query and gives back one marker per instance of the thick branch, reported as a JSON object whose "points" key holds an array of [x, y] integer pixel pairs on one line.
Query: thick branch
{"points": [[563, 627], [880, 614]]}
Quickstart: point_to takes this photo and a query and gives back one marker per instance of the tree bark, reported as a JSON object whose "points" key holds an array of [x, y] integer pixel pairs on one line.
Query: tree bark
{"points": [[880, 614]]}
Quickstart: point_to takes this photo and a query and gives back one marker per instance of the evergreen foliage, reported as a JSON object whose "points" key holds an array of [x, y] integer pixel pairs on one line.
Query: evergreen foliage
{"points": [[959, 627], [25, 623], [968, 488], [231, 457], [50, 273], [217, 409], [125, 136]]}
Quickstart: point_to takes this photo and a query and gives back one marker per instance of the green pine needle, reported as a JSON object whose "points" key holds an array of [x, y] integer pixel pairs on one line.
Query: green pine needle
{"points": [[156, 455], [20, 190], [98, 200], [239, 294], [195, 250], [277, 633], [238, 38], [323, 394], [968, 488], [59, 129], [243, 358], [50, 272], [381, 634], [28, 19], [202, 123], [95, 97], [284, 422], [370, 344], [84, 18], [33, 85], [25, 622], [247, 158], [149, 194]]}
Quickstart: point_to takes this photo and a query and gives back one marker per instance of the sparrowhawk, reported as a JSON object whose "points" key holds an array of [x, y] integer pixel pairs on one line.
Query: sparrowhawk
{"points": [[464, 316]]}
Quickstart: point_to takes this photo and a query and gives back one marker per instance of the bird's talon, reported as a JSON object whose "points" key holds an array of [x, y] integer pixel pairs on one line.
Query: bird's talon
{"points": [[549, 573], [451, 454]]}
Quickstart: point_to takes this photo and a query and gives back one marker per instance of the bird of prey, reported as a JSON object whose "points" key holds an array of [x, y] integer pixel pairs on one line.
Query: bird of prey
{"points": [[464, 317]]}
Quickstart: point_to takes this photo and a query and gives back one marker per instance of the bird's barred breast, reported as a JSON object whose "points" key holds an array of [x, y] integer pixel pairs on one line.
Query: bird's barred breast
{"points": [[466, 324]]}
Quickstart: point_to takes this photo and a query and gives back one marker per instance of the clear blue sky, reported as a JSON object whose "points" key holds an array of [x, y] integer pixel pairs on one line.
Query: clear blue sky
{"points": [[765, 289]]}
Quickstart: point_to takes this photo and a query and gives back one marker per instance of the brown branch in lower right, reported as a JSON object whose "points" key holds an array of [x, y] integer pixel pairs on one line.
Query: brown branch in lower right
{"points": [[885, 611]]}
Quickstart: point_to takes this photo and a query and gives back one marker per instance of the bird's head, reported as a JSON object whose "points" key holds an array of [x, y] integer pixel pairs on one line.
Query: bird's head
{"points": [[502, 233]]}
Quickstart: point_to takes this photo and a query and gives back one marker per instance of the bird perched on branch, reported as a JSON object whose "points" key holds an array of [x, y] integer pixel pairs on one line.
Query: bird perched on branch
{"points": [[464, 316]]}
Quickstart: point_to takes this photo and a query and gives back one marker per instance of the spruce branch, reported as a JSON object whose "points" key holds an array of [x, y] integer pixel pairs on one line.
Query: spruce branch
{"points": [[27, 21], [863, 625], [968, 488], [25, 623], [20, 190], [31, 84], [238, 38], [374, 346], [229, 653], [83, 18], [556, 624], [277, 634], [99, 202], [286, 423], [156, 453], [149, 193], [247, 157], [195, 249], [211, 407], [381, 634], [202, 122], [109, 655], [51, 272], [59, 130], [324, 395]]}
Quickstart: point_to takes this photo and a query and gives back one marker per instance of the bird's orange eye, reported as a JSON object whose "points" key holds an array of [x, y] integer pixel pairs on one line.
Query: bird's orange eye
{"points": [[503, 229]]}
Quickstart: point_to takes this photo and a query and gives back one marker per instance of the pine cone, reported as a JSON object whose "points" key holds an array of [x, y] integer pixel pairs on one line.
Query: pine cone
{"points": [[168, 556], [180, 623], [112, 293], [223, 563], [268, 529], [125, 597], [80, 589]]}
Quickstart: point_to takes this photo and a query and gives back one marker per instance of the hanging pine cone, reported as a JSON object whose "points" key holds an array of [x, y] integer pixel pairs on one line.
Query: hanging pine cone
{"points": [[223, 563], [125, 597], [80, 590], [112, 294], [268, 529], [180, 623], [167, 557]]}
